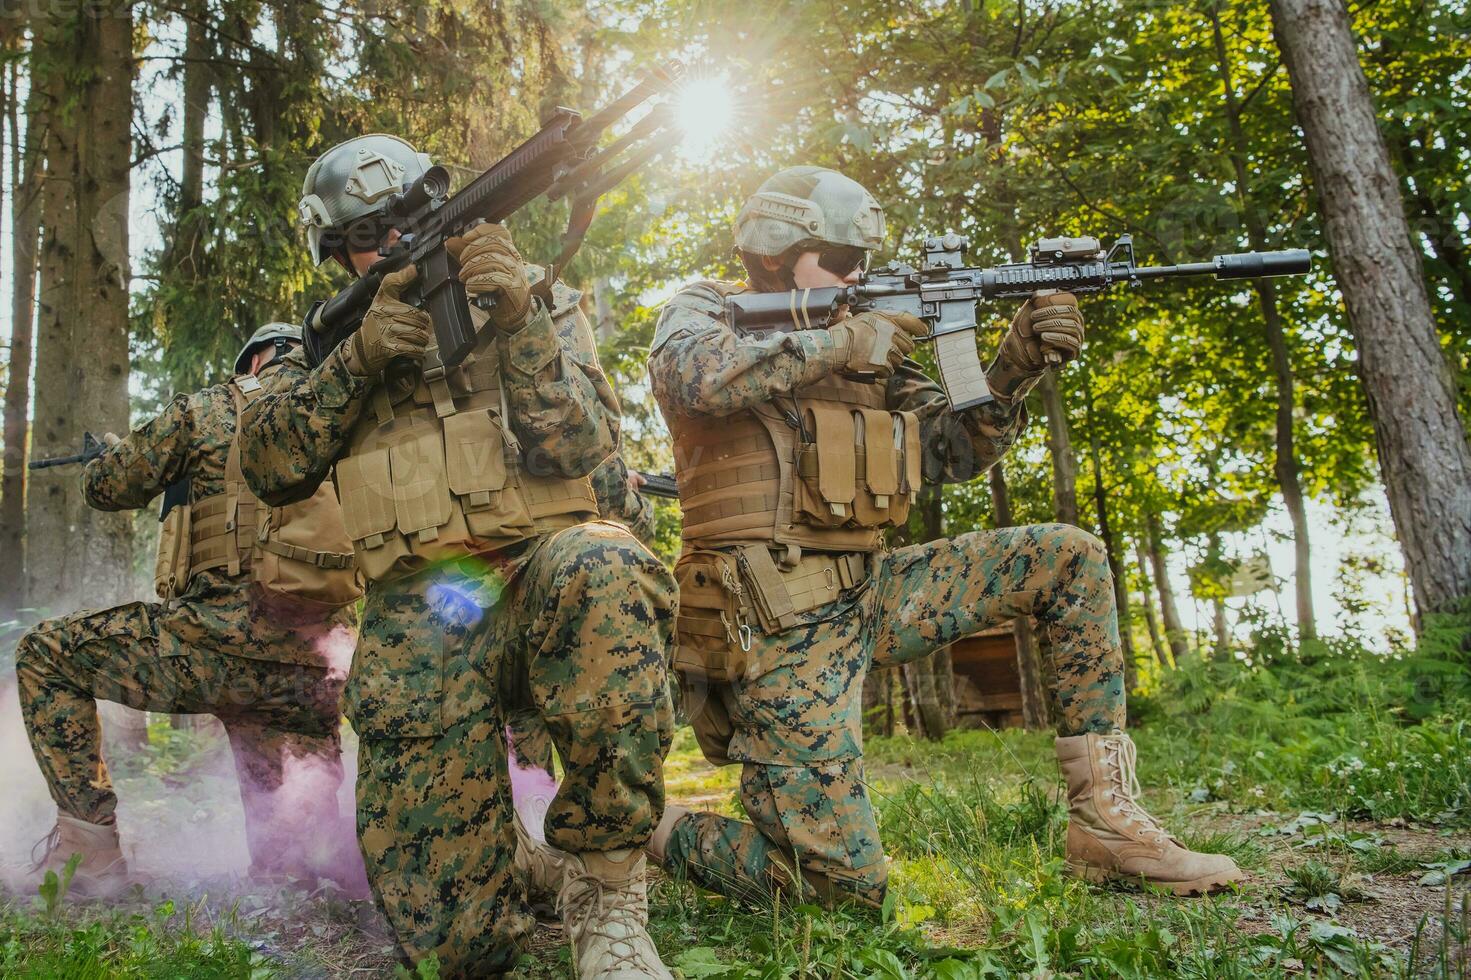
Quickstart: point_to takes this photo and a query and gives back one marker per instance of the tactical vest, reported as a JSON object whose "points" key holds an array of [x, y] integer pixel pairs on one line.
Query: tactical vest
{"points": [[300, 552], [826, 472], [434, 470]]}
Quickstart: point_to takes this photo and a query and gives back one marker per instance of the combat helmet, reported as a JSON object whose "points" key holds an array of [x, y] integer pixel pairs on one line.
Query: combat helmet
{"points": [[351, 181], [265, 335], [808, 206]]}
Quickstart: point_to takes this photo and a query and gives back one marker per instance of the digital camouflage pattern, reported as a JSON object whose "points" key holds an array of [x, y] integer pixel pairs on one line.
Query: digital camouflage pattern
{"points": [[797, 815], [573, 627], [214, 650], [277, 715], [530, 741], [573, 634], [796, 713]]}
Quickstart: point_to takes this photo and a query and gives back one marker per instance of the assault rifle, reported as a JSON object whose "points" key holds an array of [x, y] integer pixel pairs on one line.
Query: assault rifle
{"points": [[91, 449], [562, 160], [659, 485], [944, 292]]}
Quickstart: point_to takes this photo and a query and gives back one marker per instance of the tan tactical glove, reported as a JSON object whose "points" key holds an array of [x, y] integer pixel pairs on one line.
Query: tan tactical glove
{"points": [[874, 343], [1047, 330], [491, 266], [390, 329]]}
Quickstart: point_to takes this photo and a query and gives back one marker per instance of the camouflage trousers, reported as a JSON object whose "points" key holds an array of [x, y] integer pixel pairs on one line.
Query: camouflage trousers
{"points": [[795, 716], [281, 718], [578, 630]]}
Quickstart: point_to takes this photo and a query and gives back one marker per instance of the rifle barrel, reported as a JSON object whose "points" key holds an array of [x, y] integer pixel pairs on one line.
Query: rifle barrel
{"points": [[1240, 265], [41, 464]]}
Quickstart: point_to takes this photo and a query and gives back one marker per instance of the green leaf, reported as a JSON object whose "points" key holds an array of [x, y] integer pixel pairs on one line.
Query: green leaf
{"points": [[1442, 872], [700, 961]]}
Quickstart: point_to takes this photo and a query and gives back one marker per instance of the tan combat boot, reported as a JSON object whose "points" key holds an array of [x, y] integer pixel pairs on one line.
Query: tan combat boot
{"points": [[544, 868], [102, 871], [605, 908], [1110, 836]]}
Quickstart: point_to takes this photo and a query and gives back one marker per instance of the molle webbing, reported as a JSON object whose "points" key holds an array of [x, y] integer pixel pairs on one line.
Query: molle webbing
{"points": [[434, 471], [214, 539], [828, 472], [227, 529]]}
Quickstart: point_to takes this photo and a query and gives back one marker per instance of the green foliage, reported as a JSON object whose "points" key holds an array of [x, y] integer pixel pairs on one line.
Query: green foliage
{"points": [[106, 943], [1359, 733]]}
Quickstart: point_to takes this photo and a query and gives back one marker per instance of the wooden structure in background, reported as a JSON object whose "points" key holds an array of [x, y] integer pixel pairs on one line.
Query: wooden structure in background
{"points": [[988, 691]]}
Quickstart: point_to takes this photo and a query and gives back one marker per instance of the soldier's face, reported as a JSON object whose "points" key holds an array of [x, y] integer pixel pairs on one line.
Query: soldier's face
{"points": [[362, 260], [809, 273]]}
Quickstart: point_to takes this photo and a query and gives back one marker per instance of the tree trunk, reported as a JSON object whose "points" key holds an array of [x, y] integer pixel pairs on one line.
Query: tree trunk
{"points": [[605, 327], [1220, 632], [1035, 709], [1060, 447], [1286, 465], [1175, 633], [1423, 452], [83, 67], [189, 234], [25, 179], [1110, 547], [930, 681], [1151, 621], [878, 702]]}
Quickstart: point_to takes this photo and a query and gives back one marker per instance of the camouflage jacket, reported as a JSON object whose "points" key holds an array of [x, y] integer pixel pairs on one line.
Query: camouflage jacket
{"points": [[190, 439], [700, 366], [619, 502], [561, 410]]}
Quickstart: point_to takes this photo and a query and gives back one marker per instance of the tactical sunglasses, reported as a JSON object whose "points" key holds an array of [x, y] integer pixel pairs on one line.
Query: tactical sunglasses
{"points": [[366, 234], [841, 260]]}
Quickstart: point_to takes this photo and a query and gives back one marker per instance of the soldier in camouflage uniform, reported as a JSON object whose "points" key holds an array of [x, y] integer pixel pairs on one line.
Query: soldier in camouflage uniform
{"points": [[794, 452], [616, 488], [262, 664], [491, 585]]}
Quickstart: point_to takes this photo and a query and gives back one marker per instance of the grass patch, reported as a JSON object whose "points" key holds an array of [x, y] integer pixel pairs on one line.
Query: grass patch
{"points": [[99, 942]]}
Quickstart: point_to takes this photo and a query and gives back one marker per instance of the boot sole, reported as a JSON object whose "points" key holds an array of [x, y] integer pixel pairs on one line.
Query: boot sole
{"points": [[1197, 886]]}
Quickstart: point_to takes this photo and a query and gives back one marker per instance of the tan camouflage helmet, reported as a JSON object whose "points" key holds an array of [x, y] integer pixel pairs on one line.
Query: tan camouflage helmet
{"points": [[351, 181], [806, 206], [265, 335]]}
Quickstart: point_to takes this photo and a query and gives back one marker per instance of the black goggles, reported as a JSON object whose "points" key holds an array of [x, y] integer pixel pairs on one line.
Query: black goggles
{"points": [[841, 260], [367, 234]]}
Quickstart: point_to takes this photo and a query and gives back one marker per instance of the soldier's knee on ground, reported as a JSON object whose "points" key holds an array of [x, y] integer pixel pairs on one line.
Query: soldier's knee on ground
{"points": [[735, 859], [866, 885]]}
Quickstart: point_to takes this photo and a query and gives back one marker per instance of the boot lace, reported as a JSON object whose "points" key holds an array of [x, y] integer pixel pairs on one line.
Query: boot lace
{"points": [[1121, 756], [584, 905], [46, 845]]}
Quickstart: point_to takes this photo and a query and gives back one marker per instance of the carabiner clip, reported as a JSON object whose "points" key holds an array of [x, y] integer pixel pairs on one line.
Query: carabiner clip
{"points": [[745, 632]]}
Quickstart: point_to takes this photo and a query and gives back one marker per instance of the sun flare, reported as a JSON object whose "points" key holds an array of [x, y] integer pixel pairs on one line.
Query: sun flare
{"points": [[704, 111]]}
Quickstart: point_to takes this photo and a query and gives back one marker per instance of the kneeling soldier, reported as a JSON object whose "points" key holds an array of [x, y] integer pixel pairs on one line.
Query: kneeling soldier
{"points": [[794, 452], [255, 627], [490, 583]]}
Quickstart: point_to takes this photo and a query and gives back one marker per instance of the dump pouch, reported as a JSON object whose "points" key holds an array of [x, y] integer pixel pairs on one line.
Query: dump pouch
{"points": [[713, 628]]}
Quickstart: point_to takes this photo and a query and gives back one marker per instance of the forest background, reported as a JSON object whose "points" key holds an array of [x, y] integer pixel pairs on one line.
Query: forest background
{"points": [[153, 154]]}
